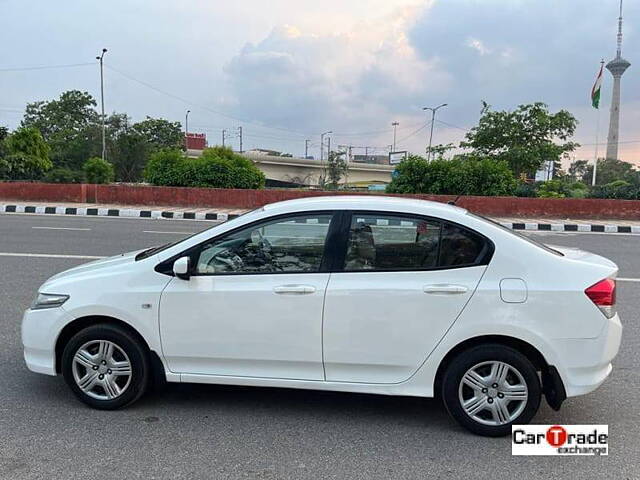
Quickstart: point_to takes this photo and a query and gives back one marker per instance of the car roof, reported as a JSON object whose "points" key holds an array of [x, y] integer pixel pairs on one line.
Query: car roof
{"points": [[364, 202]]}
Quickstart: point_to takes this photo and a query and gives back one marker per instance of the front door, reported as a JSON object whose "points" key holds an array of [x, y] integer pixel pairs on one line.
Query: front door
{"points": [[405, 281], [253, 306]]}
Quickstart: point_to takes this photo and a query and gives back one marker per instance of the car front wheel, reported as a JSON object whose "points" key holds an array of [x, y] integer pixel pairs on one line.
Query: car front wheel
{"points": [[488, 388], [105, 366]]}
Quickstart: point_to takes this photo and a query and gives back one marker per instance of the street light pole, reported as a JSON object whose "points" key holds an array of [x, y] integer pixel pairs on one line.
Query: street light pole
{"points": [[104, 141], [240, 135], [433, 111], [306, 148], [394, 125], [224, 134], [186, 129]]}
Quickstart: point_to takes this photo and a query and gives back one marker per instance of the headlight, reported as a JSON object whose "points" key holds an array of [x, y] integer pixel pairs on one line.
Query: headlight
{"points": [[48, 300]]}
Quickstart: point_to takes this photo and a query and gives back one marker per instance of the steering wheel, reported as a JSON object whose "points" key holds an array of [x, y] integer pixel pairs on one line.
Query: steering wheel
{"points": [[263, 243]]}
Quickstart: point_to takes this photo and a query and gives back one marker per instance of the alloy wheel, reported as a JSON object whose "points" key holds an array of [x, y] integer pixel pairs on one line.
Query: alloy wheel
{"points": [[101, 369], [493, 393]]}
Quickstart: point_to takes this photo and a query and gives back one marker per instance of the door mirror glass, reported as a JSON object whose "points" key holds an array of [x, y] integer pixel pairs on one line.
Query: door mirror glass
{"points": [[182, 268]]}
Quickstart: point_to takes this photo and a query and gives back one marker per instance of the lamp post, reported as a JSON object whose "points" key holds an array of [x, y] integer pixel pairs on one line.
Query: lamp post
{"points": [[186, 129], [433, 111], [394, 125], [104, 141]]}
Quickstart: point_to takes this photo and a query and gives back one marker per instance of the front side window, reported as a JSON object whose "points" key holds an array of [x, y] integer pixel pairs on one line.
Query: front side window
{"points": [[390, 242], [292, 244]]}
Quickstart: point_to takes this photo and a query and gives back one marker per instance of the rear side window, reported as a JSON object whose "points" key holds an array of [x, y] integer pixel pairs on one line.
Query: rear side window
{"points": [[388, 242], [459, 246]]}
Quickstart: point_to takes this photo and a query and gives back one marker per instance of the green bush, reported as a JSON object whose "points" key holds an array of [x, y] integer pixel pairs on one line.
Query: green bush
{"points": [[26, 155], [619, 189], [218, 167], [21, 166], [463, 175], [63, 175], [526, 190], [551, 189], [97, 170]]}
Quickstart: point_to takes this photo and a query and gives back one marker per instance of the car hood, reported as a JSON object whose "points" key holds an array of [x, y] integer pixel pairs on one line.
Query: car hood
{"points": [[91, 267]]}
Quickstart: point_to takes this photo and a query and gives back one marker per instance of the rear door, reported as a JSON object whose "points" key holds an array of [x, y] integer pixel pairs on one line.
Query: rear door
{"points": [[404, 281]]}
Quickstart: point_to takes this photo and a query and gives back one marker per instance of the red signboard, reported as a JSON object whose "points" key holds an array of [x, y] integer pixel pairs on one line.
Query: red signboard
{"points": [[196, 141]]}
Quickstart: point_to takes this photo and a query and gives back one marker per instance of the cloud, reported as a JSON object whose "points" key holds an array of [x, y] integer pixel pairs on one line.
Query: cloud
{"points": [[346, 80]]}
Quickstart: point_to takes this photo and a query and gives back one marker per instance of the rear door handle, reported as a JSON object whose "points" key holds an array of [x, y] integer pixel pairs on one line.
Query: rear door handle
{"points": [[294, 289], [445, 289]]}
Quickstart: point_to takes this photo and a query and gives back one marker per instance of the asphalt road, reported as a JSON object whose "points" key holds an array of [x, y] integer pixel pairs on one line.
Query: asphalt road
{"points": [[200, 431]]}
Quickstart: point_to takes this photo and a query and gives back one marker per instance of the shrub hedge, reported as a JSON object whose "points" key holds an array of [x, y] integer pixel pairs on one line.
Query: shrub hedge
{"points": [[218, 167]]}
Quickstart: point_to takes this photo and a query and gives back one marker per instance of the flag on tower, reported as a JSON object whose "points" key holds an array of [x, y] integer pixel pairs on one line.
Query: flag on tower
{"points": [[595, 91]]}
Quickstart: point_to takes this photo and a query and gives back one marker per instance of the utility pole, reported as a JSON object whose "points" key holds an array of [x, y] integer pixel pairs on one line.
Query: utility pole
{"points": [[366, 154], [224, 134], [328, 148], [433, 111], [322, 145], [394, 125], [104, 141], [306, 148], [240, 135], [186, 129]]}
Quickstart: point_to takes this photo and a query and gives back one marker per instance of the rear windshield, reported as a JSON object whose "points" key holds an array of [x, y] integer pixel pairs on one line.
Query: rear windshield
{"points": [[517, 234]]}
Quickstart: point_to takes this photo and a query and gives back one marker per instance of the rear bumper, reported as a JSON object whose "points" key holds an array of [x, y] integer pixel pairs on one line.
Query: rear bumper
{"points": [[40, 329], [585, 363]]}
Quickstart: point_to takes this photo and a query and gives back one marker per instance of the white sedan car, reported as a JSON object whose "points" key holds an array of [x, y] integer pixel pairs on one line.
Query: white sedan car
{"points": [[350, 293]]}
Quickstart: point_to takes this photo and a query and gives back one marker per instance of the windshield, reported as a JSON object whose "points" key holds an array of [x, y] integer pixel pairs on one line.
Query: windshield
{"points": [[517, 234], [157, 249]]}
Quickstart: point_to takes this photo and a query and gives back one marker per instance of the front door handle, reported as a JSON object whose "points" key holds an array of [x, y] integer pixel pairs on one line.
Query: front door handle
{"points": [[294, 289], [445, 289]]}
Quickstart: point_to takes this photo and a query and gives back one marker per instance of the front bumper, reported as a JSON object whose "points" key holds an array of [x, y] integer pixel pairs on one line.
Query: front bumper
{"points": [[585, 363], [40, 330]]}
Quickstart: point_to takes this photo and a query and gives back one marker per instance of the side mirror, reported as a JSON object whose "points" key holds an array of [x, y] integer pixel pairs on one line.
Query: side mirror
{"points": [[182, 268]]}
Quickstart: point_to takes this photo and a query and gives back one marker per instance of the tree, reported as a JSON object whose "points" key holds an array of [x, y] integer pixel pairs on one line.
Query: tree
{"points": [[336, 169], [4, 133], [610, 170], [578, 169], [525, 138], [462, 175], [27, 155], [70, 126], [160, 134], [130, 152]]}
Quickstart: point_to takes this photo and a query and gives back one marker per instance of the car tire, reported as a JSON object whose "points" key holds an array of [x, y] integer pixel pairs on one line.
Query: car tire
{"points": [[106, 367], [488, 388]]}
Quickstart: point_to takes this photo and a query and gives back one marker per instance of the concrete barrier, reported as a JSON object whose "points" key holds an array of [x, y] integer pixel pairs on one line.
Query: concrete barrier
{"points": [[249, 199]]}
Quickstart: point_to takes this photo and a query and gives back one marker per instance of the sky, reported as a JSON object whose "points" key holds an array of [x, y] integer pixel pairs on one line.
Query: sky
{"points": [[287, 70]]}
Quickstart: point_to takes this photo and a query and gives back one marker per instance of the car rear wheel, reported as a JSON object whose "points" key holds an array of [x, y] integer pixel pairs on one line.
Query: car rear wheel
{"points": [[105, 366], [488, 388]]}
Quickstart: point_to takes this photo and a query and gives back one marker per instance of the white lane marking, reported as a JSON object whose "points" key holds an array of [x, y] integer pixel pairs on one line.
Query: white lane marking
{"points": [[548, 233], [62, 228], [160, 231], [621, 279], [49, 255]]}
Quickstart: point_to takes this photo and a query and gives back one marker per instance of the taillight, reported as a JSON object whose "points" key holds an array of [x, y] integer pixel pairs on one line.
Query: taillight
{"points": [[603, 294]]}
